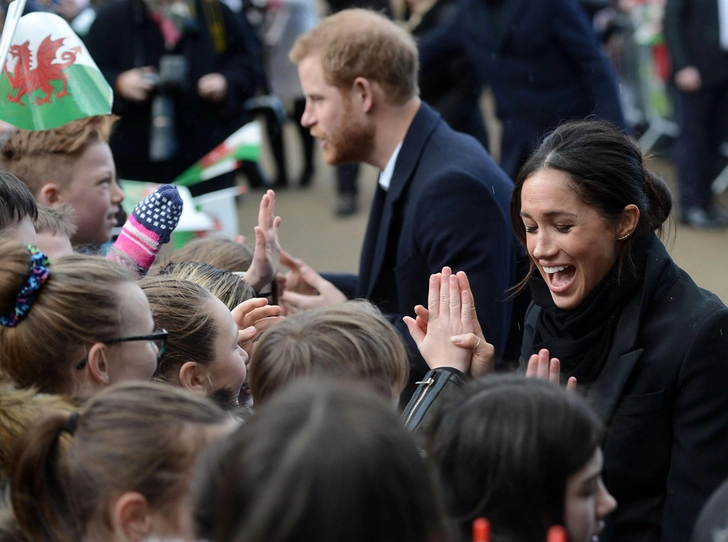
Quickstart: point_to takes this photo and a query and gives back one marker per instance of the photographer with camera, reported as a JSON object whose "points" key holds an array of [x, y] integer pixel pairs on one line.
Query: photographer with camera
{"points": [[181, 71]]}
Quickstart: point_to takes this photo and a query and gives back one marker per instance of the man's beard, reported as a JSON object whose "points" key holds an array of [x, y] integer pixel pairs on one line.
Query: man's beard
{"points": [[351, 143]]}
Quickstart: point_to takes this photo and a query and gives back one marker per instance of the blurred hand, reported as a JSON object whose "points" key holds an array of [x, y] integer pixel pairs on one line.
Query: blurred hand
{"points": [[326, 293], [688, 79], [539, 366], [293, 281], [267, 253], [212, 87], [133, 84]]}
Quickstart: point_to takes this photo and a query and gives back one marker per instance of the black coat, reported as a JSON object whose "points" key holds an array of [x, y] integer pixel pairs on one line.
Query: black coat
{"points": [[693, 37], [124, 36], [447, 205], [663, 395]]}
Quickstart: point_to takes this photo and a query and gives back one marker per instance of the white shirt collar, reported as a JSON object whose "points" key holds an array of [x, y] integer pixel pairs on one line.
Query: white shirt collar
{"points": [[385, 178]]}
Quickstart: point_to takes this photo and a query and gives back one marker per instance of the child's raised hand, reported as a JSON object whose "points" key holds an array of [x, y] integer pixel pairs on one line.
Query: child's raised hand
{"points": [[540, 366], [449, 314], [483, 353], [254, 314], [267, 252]]}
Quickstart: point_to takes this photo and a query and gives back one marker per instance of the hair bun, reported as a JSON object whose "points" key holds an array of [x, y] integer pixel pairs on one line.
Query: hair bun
{"points": [[14, 270], [659, 198]]}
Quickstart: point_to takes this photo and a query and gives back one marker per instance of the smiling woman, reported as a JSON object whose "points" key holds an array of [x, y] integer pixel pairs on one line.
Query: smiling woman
{"points": [[644, 342]]}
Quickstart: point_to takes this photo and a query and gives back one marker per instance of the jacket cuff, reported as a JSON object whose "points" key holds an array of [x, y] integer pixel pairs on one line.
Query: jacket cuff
{"points": [[436, 386]]}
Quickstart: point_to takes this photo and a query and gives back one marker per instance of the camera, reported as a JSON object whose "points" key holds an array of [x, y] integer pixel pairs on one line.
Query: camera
{"points": [[172, 77]]}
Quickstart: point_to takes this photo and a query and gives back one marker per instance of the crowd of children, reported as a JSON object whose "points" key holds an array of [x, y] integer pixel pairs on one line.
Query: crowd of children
{"points": [[179, 398]]}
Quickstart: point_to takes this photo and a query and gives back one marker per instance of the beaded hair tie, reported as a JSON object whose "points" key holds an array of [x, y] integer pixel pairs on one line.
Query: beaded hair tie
{"points": [[23, 301]]}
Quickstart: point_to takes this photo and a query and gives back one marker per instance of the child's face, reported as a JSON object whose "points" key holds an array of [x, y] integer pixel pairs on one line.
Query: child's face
{"points": [[228, 369], [94, 195]]}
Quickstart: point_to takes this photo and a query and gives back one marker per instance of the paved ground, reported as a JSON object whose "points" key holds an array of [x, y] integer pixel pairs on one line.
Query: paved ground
{"points": [[310, 231]]}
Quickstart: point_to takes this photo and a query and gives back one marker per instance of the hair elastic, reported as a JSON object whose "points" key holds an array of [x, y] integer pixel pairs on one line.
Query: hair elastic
{"points": [[24, 299], [71, 423]]}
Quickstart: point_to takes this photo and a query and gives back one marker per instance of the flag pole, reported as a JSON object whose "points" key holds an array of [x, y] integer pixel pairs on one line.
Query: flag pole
{"points": [[12, 17]]}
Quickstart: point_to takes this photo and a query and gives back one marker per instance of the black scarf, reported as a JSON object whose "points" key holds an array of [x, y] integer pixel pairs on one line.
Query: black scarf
{"points": [[581, 338]]}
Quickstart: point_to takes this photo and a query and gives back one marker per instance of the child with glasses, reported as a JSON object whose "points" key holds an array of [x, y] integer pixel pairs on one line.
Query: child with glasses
{"points": [[74, 326]]}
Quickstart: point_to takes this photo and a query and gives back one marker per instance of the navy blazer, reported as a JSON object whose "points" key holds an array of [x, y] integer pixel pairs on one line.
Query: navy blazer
{"points": [[544, 67], [447, 204]]}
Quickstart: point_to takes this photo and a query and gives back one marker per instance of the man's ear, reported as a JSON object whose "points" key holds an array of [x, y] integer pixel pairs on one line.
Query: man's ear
{"points": [[49, 195], [98, 366], [193, 377], [131, 516], [363, 91]]}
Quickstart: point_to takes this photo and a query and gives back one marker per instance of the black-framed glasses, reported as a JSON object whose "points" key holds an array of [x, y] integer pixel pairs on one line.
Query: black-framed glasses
{"points": [[158, 337]]}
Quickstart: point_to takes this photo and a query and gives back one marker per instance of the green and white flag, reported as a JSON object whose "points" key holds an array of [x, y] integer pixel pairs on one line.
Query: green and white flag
{"points": [[49, 78], [244, 144]]}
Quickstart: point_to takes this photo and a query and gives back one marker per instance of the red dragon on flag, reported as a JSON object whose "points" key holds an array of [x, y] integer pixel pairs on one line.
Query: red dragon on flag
{"points": [[27, 80], [49, 69]]}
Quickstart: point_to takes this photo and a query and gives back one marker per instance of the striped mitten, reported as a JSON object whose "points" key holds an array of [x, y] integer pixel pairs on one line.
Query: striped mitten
{"points": [[148, 228]]}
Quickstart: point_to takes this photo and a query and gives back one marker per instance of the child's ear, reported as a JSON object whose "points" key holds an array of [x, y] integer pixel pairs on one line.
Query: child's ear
{"points": [[193, 377], [98, 366], [49, 195], [131, 518]]}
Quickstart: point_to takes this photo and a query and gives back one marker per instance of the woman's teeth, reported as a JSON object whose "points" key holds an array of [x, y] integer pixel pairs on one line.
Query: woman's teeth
{"points": [[551, 270]]}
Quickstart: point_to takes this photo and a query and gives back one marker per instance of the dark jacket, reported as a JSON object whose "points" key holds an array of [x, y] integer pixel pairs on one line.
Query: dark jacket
{"points": [[124, 36], [693, 37], [542, 61], [662, 394], [543, 65], [447, 205]]}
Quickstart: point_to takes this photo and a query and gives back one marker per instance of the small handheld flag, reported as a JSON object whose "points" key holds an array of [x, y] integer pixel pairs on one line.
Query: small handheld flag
{"points": [[48, 77], [244, 144]]}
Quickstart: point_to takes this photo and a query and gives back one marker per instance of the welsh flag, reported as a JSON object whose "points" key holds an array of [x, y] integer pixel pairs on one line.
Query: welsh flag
{"points": [[49, 78], [242, 145]]}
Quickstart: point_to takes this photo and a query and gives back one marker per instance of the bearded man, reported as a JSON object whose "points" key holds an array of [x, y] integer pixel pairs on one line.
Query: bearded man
{"points": [[440, 201]]}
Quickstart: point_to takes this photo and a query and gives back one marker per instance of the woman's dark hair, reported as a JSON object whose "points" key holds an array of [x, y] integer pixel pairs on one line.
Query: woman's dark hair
{"points": [[320, 462], [607, 172], [505, 450]]}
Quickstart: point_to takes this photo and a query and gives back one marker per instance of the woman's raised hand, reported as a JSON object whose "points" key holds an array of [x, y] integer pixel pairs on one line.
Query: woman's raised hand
{"points": [[445, 331], [540, 366]]}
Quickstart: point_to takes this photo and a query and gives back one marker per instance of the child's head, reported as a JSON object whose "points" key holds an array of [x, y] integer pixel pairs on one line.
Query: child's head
{"points": [[119, 469], [219, 251], [18, 409], [321, 462], [349, 340], [77, 331], [525, 454], [17, 210], [54, 228], [70, 164], [224, 285], [202, 352]]}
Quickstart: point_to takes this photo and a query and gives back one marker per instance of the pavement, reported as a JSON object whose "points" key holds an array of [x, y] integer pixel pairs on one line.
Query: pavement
{"points": [[310, 231]]}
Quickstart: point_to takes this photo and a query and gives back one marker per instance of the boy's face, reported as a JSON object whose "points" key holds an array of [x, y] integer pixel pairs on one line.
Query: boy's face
{"points": [[94, 195]]}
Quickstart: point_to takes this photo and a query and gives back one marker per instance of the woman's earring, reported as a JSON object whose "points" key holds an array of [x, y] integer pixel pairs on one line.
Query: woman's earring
{"points": [[623, 237]]}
